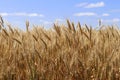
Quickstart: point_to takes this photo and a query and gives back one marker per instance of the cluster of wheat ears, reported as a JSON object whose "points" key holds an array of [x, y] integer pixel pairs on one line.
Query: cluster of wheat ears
{"points": [[63, 52]]}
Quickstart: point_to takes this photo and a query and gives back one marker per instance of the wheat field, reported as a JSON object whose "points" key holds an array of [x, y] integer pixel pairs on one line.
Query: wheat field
{"points": [[63, 52]]}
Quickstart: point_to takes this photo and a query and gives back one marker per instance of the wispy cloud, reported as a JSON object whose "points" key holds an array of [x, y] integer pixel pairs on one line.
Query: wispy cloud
{"points": [[45, 22], [59, 20], [115, 10], [81, 4], [22, 14], [91, 14], [4, 14], [114, 20], [95, 5], [105, 14], [85, 14], [91, 5]]}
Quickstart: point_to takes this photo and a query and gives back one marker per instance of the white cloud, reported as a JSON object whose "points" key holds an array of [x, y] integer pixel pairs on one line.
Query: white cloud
{"points": [[59, 20], [22, 14], [17, 14], [91, 5], [44, 22], [114, 20], [115, 10], [94, 5], [85, 14], [35, 15], [81, 4], [105, 14], [47, 22], [4, 14]]}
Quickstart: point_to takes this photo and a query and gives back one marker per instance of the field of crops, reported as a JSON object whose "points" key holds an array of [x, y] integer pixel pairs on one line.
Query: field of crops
{"points": [[63, 52]]}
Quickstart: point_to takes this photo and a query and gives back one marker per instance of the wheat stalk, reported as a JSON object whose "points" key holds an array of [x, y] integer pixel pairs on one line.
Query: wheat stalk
{"points": [[27, 25], [17, 40], [5, 32]]}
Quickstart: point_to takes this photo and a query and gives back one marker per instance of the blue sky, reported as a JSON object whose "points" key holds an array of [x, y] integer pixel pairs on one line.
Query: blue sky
{"points": [[46, 12]]}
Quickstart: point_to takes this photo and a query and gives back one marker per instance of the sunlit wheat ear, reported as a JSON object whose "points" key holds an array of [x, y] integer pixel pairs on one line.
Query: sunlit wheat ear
{"points": [[87, 27], [5, 32], [44, 43], [57, 29], [69, 25], [35, 37], [10, 28], [1, 22], [73, 27], [99, 22], [27, 25], [45, 34], [17, 41], [79, 26]]}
